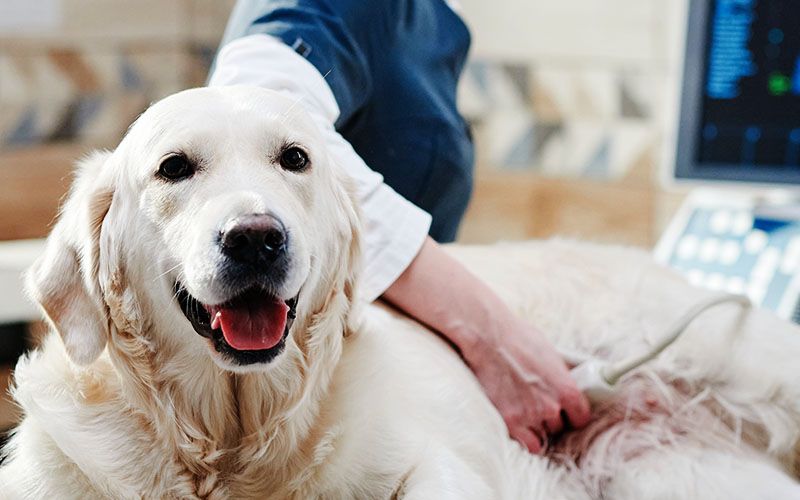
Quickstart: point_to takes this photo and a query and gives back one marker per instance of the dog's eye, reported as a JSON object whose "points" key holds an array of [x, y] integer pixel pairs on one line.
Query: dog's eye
{"points": [[294, 159], [175, 168]]}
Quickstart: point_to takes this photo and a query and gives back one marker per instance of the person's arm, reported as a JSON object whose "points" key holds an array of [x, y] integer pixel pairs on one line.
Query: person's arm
{"points": [[394, 228], [513, 361], [521, 372]]}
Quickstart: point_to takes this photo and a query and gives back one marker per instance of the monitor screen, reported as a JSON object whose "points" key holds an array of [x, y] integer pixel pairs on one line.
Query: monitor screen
{"points": [[740, 111]]}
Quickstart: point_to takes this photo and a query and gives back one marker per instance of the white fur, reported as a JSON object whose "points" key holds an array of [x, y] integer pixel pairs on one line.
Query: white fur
{"points": [[125, 400]]}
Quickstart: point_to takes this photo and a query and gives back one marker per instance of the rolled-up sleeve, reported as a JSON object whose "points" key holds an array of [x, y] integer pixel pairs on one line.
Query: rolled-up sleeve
{"points": [[394, 228]]}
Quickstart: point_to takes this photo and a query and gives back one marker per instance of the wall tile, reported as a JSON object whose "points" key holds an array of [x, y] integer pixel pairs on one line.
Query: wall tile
{"points": [[157, 73], [590, 93], [71, 94], [562, 120], [12, 81]]}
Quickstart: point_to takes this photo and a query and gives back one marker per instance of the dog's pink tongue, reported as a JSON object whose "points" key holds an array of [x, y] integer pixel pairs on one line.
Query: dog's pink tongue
{"points": [[252, 324]]}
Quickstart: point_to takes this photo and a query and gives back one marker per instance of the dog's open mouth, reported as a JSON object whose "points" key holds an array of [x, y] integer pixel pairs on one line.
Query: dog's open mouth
{"points": [[250, 328]]}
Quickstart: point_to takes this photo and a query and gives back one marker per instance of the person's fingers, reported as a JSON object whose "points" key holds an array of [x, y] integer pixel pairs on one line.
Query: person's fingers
{"points": [[576, 406], [514, 416], [551, 415], [528, 438]]}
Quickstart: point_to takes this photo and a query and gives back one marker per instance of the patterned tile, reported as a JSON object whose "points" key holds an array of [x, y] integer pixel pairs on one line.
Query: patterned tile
{"points": [[29, 123], [632, 142], [582, 94], [26, 78], [112, 119], [561, 120], [585, 147], [12, 83], [70, 94], [198, 61], [506, 138], [640, 91], [578, 94], [130, 77], [18, 125], [473, 102], [75, 117], [162, 72], [544, 104]]}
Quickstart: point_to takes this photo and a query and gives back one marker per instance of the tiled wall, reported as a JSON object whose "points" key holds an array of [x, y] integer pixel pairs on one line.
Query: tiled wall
{"points": [[88, 71], [572, 87], [567, 87]]}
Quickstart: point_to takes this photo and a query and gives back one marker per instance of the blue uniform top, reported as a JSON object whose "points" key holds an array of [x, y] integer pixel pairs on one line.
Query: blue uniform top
{"points": [[393, 67]]}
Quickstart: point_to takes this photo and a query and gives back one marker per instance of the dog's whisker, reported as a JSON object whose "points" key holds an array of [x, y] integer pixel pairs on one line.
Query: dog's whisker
{"points": [[176, 266], [179, 288], [290, 109]]}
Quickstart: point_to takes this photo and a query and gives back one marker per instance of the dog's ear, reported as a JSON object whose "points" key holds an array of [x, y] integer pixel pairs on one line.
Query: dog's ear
{"points": [[350, 259], [353, 257], [64, 279]]}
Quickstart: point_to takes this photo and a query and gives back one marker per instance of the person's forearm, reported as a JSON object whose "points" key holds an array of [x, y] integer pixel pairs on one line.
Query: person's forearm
{"points": [[520, 370], [439, 291]]}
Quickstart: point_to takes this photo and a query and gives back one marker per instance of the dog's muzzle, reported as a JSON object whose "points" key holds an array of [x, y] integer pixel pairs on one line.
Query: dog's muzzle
{"points": [[250, 328]]}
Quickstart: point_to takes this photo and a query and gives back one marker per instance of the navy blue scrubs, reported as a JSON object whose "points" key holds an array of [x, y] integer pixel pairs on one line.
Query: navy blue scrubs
{"points": [[393, 67]]}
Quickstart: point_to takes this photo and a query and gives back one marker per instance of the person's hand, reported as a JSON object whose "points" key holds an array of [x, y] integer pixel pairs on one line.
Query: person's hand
{"points": [[529, 383], [517, 366]]}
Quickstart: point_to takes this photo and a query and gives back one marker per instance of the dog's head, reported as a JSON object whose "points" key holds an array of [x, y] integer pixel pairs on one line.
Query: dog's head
{"points": [[219, 224]]}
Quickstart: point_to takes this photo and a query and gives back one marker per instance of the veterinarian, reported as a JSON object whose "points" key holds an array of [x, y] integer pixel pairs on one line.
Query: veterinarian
{"points": [[379, 78]]}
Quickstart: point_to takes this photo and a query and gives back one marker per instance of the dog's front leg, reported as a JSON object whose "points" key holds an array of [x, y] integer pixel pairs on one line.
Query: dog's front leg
{"points": [[442, 475]]}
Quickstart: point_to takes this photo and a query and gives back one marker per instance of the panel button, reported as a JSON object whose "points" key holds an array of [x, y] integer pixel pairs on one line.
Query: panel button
{"points": [[720, 222], [687, 247], [709, 249], [755, 241], [766, 265], [742, 223], [791, 257], [730, 252]]}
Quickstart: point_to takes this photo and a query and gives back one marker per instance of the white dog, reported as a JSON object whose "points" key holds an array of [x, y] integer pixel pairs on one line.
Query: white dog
{"points": [[200, 282]]}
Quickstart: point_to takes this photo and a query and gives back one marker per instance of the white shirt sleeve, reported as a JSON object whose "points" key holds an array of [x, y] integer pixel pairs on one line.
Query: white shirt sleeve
{"points": [[394, 228]]}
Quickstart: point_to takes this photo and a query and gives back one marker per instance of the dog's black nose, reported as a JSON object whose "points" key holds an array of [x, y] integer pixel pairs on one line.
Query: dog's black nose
{"points": [[254, 239]]}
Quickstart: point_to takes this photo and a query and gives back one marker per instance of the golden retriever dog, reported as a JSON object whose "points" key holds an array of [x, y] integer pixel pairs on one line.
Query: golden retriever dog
{"points": [[208, 343]]}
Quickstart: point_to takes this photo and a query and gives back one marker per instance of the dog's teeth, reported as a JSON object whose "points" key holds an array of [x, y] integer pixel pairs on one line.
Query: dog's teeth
{"points": [[217, 319]]}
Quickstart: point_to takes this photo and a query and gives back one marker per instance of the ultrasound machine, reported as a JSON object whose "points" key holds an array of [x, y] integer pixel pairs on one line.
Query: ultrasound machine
{"points": [[737, 142]]}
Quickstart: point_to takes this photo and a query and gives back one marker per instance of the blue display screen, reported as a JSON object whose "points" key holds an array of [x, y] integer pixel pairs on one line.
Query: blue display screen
{"points": [[751, 90]]}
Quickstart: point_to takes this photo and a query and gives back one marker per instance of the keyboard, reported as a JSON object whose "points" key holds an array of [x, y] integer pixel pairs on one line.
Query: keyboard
{"points": [[727, 248]]}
